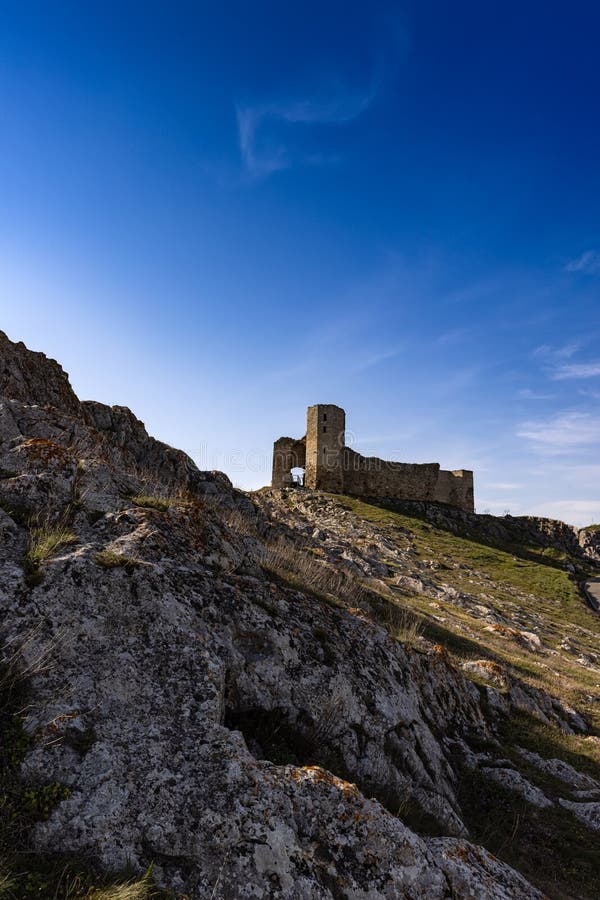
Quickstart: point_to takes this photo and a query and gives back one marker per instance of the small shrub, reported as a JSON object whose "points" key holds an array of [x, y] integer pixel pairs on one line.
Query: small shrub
{"points": [[109, 559]]}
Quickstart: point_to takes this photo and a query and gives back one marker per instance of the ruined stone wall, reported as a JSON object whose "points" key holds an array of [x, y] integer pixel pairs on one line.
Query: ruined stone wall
{"points": [[331, 466], [456, 488], [288, 453], [369, 476]]}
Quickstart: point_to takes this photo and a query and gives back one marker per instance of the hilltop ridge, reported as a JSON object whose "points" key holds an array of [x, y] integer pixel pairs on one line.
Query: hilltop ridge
{"points": [[288, 694]]}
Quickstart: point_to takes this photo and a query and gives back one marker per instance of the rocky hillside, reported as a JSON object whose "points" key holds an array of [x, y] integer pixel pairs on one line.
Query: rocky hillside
{"points": [[284, 694]]}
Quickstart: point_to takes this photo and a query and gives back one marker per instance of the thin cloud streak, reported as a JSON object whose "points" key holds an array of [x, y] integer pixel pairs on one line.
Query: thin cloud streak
{"points": [[529, 394], [562, 433], [565, 352], [260, 160], [369, 361], [577, 370], [588, 262]]}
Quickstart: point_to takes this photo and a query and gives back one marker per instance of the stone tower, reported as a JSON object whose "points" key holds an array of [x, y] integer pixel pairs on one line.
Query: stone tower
{"points": [[325, 439]]}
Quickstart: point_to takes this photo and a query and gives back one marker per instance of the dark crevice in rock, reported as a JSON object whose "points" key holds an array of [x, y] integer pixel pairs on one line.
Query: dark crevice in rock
{"points": [[271, 735]]}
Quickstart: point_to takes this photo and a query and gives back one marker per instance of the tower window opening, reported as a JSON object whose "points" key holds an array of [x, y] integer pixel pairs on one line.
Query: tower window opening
{"points": [[324, 417], [324, 429]]}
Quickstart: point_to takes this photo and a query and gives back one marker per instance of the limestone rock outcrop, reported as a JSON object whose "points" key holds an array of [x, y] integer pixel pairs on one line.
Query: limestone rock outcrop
{"points": [[34, 378], [242, 732]]}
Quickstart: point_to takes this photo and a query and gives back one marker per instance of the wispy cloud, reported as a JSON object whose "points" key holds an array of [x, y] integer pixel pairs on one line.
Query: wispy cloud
{"points": [[368, 361], [588, 262], [264, 150], [577, 370], [562, 433], [577, 512], [565, 351], [556, 366], [455, 335], [529, 394]]}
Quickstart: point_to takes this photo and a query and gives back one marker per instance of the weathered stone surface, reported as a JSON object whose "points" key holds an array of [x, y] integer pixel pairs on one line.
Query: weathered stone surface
{"points": [[33, 378], [561, 770], [150, 661], [247, 737], [588, 813], [461, 861], [589, 540], [513, 780]]}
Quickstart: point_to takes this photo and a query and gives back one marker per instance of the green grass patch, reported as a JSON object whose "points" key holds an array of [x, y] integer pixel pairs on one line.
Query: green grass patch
{"points": [[523, 730], [109, 559], [150, 502], [534, 570]]}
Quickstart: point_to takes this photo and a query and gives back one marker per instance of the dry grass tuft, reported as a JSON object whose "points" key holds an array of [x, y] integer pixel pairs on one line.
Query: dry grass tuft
{"points": [[239, 522], [401, 624], [46, 540], [110, 559], [312, 575], [150, 501], [141, 889], [6, 886]]}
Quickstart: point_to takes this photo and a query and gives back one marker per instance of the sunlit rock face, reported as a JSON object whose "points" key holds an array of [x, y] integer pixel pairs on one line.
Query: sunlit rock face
{"points": [[249, 734]]}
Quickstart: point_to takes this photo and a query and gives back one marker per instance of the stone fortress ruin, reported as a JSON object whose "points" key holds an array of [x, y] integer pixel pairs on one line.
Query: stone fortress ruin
{"points": [[331, 466]]}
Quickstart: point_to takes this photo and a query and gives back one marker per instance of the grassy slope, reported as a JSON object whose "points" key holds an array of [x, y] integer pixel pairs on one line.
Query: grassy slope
{"points": [[527, 585], [530, 586]]}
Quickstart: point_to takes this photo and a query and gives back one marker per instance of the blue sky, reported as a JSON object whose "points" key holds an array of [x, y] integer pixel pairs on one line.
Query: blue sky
{"points": [[218, 214]]}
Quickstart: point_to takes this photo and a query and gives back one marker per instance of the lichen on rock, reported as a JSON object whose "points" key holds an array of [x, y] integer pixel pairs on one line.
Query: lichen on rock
{"points": [[247, 733]]}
